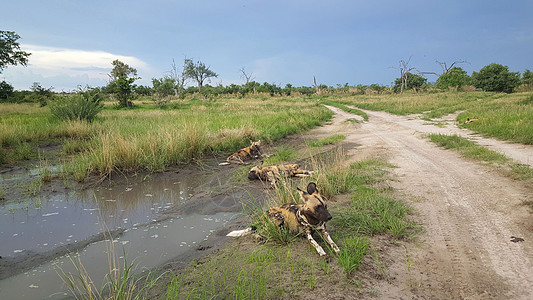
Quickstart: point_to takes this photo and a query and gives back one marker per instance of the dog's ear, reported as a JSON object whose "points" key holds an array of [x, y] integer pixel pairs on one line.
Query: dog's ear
{"points": [[311, 188]]}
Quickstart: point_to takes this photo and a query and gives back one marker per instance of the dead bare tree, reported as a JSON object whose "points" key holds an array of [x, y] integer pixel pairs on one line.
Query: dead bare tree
{"points": [[317, 88], [246, 76], [178, 77], [404, 69], [444, 66]]}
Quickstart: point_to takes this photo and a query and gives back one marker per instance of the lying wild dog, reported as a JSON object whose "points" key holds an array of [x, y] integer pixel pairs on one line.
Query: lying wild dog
{"points": [[271, 173], [468, 120], [313, 214], [248, 153]]}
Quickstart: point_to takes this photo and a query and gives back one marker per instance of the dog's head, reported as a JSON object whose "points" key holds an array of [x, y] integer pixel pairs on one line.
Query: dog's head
{"points": [[314, 208], [255, 172]]}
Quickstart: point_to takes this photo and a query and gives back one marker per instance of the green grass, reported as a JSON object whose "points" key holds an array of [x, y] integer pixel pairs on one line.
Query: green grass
{"points": [[503, 116], [471, 150], [374, 212], [353, 250], [346, 108], [335, 139], [149, 138], [287, 266], [122, 281], [468, 148], [282, 155], [259, 273], [509, 118]]}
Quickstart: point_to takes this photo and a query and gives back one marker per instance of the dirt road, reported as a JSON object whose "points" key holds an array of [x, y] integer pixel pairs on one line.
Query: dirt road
{"points": [[470, 213]]}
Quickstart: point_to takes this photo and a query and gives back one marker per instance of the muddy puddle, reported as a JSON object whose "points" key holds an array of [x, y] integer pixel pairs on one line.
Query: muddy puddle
{"points": [[154, 219]]}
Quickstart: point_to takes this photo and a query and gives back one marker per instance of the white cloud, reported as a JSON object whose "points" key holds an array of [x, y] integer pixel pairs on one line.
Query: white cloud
{"points": [[64, 66]]}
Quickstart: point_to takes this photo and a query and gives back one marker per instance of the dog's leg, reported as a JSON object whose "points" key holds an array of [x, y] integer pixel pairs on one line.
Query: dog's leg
{"points": [[239, 233], [326, 236], [314, 243], [301, 175], [272, 179]]}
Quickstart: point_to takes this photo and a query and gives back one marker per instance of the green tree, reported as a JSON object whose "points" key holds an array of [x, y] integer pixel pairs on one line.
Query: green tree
{"points": [[41, 94], [527, 78], [123, 88], [121, 82], [163, 88], [143, 90], [496, 78], [409, 81], [10, 53], [198, 71], [455, 78], [6, 90], [121, 69]]}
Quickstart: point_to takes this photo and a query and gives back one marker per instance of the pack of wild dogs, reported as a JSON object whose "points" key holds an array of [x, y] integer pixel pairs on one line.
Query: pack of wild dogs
{"points": [[304, 218]]}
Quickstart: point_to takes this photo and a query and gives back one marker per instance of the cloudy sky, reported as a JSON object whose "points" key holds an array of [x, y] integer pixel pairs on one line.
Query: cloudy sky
{"points": [[73, 42]]}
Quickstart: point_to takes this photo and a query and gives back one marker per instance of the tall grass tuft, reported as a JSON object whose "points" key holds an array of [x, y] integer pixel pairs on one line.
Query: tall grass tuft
{"points": [[372, 212], [76, 107], [119, 283], [353, 250], [265, 226]]}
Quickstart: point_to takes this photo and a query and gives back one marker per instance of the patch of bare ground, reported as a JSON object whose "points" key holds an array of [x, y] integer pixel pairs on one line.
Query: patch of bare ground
{"points": [[471, 216]]}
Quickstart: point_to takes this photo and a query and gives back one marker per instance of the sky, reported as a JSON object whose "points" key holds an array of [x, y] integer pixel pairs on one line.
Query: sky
{"points": [[73, 42]]}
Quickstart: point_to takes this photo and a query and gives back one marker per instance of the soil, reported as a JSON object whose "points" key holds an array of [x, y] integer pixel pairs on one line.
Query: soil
{"points": [[471, 213]]}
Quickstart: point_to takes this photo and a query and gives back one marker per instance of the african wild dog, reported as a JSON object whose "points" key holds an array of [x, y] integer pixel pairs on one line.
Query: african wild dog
{"points": [[271, 173], [247, 153], [313, 214]]}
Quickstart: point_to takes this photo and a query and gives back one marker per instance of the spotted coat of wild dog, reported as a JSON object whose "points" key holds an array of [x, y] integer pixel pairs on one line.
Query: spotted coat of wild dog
{"points": [[297, 218], [271, 173], [248, 153]]}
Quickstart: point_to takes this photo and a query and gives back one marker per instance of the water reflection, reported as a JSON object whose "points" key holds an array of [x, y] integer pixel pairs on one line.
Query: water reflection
{"points": [[72, 216], [149, 246]]}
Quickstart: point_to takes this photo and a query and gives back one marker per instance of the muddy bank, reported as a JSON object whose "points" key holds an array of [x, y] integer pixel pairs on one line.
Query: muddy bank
{"points": [[118, 204]]}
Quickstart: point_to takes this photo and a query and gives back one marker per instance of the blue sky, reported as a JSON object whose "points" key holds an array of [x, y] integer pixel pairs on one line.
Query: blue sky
{"points": [[357, 42]]}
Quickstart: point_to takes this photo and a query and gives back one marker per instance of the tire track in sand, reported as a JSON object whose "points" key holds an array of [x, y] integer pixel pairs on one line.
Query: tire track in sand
{"points": [[469, 214]]}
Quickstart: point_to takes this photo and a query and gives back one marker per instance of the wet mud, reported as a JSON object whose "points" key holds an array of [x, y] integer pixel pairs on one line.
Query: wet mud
{"points": [[41, 222]]}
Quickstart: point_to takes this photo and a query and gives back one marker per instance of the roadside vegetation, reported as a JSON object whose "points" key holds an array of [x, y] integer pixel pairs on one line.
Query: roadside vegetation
{"points": [[149, 138], [473, 151], [502, 116], [281, 264]]}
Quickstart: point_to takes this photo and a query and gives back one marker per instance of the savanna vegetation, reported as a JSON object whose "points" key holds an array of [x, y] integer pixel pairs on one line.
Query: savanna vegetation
{"points": [[284, 265], [123, 128]]}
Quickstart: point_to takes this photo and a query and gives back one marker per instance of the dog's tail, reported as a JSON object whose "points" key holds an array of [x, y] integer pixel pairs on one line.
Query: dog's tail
{"points": [[239, 233]]}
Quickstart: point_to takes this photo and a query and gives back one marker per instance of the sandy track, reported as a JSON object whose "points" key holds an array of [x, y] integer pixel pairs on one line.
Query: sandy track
{"points": [[469, 213]]}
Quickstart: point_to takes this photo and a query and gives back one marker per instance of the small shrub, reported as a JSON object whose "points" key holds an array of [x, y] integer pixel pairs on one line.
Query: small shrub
{"points": [[78, 107]]}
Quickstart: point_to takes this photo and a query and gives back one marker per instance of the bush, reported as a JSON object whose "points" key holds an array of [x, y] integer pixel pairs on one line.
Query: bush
{"points": [[78, 107], [496, 78], [6, 90], [455, 78]]}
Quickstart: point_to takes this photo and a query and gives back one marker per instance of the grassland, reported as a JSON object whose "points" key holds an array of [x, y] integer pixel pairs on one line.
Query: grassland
{"points": [[285, 265], [504, 116], [149, 138]]}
